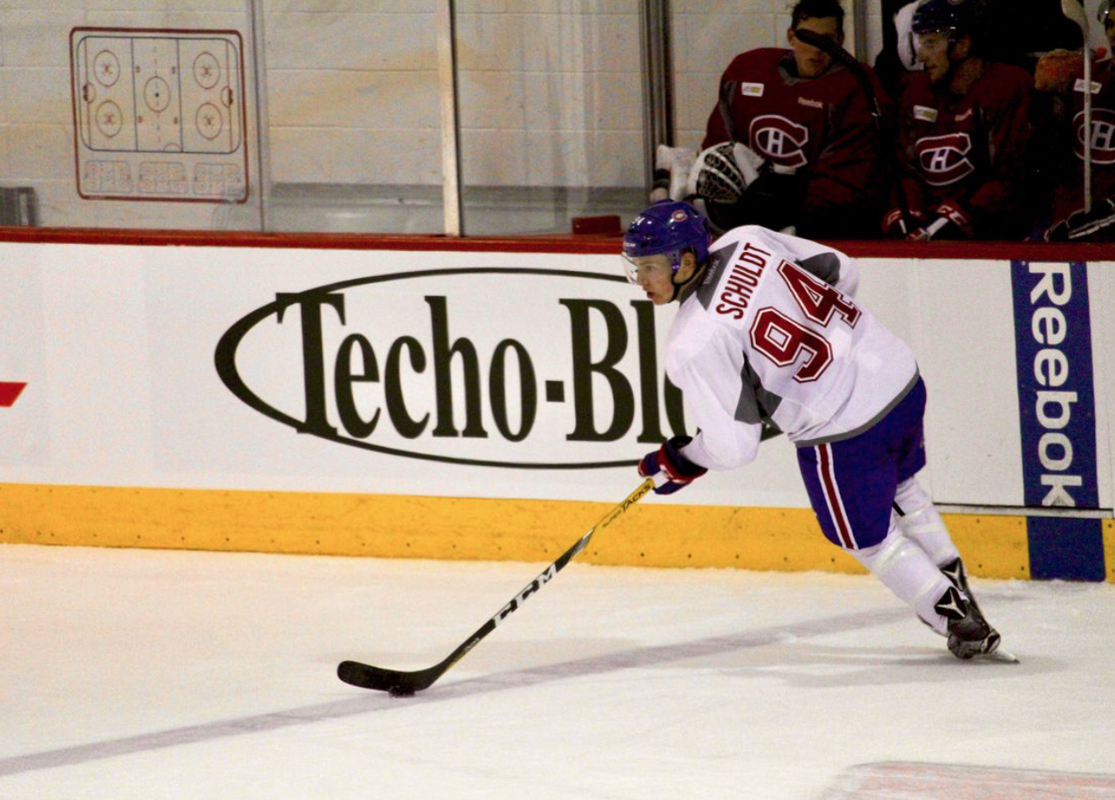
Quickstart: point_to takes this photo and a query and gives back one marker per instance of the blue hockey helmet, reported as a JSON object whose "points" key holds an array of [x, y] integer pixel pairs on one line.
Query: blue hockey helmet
{"points": [[955, 17], [670, 227]]}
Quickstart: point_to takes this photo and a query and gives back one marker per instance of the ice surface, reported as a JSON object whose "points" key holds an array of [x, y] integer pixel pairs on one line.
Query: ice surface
{"points": [[132, 674]]}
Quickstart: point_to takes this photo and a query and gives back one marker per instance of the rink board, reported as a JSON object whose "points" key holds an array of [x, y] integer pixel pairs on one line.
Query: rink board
{"points": [[492, 403], [650, 534]]}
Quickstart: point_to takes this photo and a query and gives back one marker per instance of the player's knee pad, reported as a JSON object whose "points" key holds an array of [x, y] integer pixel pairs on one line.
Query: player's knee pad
{"points": [[910, 498], [879, 558], [906, 569], [919, 520]]}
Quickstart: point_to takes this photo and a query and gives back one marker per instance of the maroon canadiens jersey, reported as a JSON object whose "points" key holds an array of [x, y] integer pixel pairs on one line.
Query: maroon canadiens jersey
{"points": [[820, 126], [1069, 194], [969, 151]]}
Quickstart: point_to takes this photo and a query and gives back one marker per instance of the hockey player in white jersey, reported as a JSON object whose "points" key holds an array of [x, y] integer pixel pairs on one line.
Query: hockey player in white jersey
{"points": [[768, 333]]}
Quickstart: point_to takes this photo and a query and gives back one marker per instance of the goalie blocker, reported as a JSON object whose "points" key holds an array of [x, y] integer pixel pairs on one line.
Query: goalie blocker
{"points": [[731, 185]]}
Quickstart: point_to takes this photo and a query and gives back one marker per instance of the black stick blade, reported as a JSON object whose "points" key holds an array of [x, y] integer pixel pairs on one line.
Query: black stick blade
{"points": [[365, 676]]}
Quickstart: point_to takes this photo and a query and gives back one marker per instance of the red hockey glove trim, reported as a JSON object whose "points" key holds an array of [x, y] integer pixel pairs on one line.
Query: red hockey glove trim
{"points": [[894, 223], [679, 470], [956, 216]]}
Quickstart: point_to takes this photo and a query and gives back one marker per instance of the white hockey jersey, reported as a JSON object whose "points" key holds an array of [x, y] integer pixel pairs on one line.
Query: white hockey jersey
{"points": [[771, 333]]}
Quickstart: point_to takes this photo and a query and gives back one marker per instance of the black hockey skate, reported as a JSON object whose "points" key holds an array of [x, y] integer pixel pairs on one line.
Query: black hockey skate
{"points": [[970, 635], [958, 577]]}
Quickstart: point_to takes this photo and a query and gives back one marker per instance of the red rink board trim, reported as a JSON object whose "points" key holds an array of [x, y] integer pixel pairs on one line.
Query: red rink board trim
{"points": [[898, 780], [545, 243], [9, 393]]}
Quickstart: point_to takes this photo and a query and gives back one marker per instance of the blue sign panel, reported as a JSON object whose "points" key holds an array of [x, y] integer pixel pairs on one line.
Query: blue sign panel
{"points": [[1056, 404]]}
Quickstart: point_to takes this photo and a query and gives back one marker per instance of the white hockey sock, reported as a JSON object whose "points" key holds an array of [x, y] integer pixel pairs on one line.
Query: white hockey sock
{"points": [[906, 569], [921, 523]]}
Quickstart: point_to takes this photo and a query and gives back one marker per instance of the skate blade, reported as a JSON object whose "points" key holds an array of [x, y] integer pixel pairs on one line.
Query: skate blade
{"points": [[1000, 655]]}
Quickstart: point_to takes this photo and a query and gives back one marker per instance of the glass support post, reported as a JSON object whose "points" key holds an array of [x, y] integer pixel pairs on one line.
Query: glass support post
{"points": [[450, 117], [859, 30], [259, 100], [658, 95]]}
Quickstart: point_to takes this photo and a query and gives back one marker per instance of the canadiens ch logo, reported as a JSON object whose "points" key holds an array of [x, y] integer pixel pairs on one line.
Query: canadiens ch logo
{"points": [[779, 140], [1103, 135], [944, 159]]}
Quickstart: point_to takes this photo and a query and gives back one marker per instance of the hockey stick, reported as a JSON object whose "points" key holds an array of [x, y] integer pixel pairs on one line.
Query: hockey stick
{"points": [[402, 683], [882, 128], [1075, 11], [746, 165], [724, 104]]}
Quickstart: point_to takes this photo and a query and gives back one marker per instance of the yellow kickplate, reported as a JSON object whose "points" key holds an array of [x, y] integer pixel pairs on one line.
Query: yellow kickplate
{"points": [[391, 526]]}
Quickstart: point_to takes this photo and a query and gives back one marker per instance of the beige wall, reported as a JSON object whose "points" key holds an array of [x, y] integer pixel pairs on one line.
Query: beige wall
{"points": [[36, 109], [550, 91]]}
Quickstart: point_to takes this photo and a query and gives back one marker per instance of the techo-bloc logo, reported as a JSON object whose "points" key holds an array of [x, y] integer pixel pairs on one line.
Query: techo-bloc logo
{"points": [[487, 366]]}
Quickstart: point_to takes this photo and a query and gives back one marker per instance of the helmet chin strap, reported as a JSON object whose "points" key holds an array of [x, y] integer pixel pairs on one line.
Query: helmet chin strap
{"points": [[679, 288]]}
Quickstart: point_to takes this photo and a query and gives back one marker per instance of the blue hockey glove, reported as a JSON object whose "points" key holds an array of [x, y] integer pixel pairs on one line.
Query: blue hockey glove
{"points": [[678, 470]]}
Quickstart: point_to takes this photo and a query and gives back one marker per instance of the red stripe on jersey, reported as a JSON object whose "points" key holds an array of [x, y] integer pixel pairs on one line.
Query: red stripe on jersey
{"points": [[9, 393], [832, 497]]}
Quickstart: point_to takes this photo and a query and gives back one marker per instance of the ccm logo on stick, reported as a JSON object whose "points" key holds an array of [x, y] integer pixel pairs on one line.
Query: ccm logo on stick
{"points": [[522, 596]]}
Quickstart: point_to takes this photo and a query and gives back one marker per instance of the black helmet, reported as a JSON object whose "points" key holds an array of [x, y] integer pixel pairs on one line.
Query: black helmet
{"points": [[955, 17]]}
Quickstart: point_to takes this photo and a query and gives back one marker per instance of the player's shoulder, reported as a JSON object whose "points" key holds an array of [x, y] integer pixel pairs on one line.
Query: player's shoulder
{"points": [[841, 87], [739, 257], [694, 329], [917, 89], [748, 238], [838, 73], [727, 249], [1009, 72], [742, 233], [764, 55], [1007, 77], [759, 60]]}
